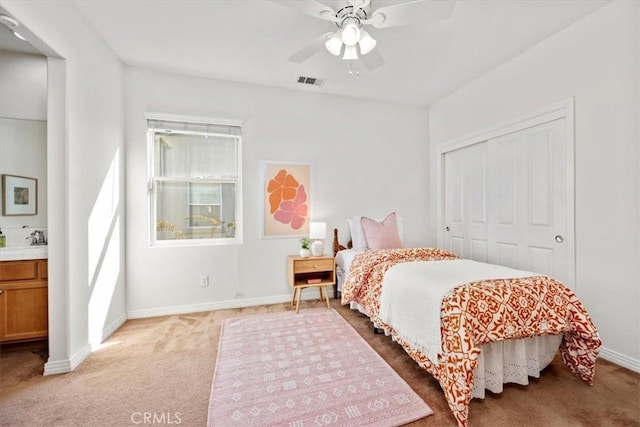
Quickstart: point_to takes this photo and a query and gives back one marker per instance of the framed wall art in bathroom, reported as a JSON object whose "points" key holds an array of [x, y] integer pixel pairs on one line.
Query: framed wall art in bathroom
{"points": [[19, 195]]}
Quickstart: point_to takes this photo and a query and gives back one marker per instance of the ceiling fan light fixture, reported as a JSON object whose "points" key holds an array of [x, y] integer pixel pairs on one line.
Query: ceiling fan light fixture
{"points": [[334, 43], [350, 52], [351, 33], [367, 43]]}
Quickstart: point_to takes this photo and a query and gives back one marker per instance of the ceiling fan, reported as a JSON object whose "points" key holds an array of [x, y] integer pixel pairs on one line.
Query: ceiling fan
{"points": [[354, 16]]}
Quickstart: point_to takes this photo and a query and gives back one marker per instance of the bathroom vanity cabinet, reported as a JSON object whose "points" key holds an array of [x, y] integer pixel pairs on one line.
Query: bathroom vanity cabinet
{"points": [[23, 300]]}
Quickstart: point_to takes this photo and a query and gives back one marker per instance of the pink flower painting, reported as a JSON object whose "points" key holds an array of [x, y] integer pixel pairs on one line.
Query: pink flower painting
{"points": [[287, 201], [293, 211]]}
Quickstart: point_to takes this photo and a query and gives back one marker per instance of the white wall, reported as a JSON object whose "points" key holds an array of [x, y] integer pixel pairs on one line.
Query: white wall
{"points": [[86, 181], [23, 85], [596, 61], [366, 158]]}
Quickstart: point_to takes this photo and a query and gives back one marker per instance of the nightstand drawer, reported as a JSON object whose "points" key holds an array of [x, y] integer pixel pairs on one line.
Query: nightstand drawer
{"points": [[311, 265]]}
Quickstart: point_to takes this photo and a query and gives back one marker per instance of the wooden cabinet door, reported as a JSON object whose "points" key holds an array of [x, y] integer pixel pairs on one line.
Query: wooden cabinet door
{"points": [[23, 312]]}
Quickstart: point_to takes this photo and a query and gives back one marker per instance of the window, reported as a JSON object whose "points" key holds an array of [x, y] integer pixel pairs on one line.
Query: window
{"points": [[194, 182]]}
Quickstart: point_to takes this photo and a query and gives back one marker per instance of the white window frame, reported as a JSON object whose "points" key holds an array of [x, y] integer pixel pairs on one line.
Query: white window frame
{"points": [[151, 179]]}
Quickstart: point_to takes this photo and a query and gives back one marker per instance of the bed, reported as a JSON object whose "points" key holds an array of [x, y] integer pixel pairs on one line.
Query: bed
{"points": [[471, 325]]}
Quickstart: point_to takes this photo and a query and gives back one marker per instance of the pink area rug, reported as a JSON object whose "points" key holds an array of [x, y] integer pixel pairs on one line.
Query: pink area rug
{"points": [[309, 369]]}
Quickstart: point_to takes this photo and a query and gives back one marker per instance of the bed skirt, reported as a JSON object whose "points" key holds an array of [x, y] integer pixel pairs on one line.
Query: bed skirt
{"points": [[510, 361], [513, 361]]}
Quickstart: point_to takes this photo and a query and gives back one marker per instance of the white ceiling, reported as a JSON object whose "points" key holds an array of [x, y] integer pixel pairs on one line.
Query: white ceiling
{"points": [[250, 41], [10, 42]]}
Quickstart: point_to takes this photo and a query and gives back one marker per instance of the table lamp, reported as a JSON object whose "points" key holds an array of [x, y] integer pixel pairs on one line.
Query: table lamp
{"points": [[317, 233]]}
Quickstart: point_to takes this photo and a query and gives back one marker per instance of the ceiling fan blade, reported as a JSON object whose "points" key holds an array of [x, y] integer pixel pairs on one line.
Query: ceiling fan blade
{"points": [[310, 7], [372, 60], [414, 12], [309, 50]]}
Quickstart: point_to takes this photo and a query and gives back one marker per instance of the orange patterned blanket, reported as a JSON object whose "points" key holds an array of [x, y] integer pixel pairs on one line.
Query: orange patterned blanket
{"points": [[478, 313]]}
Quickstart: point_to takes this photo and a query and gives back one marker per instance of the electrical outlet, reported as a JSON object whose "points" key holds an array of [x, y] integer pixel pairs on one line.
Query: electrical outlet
{"points": [[204, 281]]}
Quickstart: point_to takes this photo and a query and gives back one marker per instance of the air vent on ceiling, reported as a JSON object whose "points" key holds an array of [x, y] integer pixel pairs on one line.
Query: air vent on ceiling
{"points": [[310, 81]]}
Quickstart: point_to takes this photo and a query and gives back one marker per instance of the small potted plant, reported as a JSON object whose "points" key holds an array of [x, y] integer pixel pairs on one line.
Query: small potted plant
{"points": [[304, 247]]}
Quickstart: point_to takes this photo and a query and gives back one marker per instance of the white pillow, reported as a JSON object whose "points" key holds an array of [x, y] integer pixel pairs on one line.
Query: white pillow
{"points": [[357, 234], [358, 241]]}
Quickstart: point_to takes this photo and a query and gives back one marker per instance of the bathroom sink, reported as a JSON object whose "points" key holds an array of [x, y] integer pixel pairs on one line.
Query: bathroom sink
{"points": [[24, 252]]}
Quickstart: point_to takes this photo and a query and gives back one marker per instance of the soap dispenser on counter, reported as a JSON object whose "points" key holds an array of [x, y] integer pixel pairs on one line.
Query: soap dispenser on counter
{"points": [[3, 239]]}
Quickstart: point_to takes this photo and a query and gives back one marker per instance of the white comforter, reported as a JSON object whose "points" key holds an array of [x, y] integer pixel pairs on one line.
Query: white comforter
{"points": [[412, 294]]}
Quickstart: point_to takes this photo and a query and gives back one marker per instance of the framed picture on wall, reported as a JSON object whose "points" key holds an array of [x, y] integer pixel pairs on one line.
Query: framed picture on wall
{"points": [[286, 196], [19, 195]]}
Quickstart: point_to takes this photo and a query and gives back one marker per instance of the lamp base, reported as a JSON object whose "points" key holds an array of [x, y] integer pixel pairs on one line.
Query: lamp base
{"points": [[317, 248]]}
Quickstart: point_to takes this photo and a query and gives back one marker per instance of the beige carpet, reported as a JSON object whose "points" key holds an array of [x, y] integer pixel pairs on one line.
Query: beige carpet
{"points": [[164, 366]]}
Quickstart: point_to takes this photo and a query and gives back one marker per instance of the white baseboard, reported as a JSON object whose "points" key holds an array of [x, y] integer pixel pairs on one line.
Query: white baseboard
{"points": [[110, 329], [620, 359], [67, 365], [53, 367], [63, 366], [217, 305], [79, 357]]}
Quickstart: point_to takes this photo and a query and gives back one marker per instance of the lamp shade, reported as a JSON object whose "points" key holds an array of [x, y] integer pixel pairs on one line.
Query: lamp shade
{"points": [[317, 230], [334, 43], [367, 43], [350, 52]]}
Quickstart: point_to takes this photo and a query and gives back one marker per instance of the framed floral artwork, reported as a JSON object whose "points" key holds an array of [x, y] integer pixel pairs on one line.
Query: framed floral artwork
{"points": [[286, 196]]}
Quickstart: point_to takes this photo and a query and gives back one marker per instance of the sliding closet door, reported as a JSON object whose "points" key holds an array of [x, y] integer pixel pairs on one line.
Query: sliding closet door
{"points": [[528, 200], [505, 200], [466, 202]]}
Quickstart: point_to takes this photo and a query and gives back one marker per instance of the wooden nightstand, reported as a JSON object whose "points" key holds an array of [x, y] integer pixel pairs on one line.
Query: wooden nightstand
{"points": [[310, 272]]}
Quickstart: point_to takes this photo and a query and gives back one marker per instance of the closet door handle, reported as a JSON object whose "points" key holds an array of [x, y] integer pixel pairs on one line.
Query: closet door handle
{"points": [[559, 238], [1, 291], [446, 228]]}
